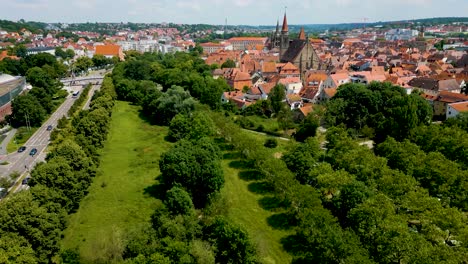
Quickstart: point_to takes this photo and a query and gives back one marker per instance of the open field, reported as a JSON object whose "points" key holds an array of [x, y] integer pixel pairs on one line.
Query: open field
{"points": [[117, 199], [248, 206]]}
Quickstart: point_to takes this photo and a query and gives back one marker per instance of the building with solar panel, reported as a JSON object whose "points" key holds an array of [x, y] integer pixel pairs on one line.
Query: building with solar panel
{"points": [[10, 87]]}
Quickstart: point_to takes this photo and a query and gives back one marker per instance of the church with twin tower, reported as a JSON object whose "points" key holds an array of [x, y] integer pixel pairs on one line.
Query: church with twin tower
{"points": [[297, 51]]}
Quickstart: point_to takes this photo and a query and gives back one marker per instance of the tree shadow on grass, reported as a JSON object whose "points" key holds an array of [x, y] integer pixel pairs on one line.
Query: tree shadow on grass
{"points": [[145, 118], [281, 221], [293, 244], [157, 191], [270, 203], [250, 175], [260, 188], [239, 164], [231, 155]]}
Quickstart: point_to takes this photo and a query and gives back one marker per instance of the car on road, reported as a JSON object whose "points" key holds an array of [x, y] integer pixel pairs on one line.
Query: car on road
{"points": [[3, 192], [75, 94], [33, 152], [25, 180], [49, 127], [21, 149]]}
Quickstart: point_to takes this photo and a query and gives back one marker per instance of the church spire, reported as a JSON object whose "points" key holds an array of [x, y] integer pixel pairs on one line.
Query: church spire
{"points": [[285, 23], [302, 35], [277, 26]]}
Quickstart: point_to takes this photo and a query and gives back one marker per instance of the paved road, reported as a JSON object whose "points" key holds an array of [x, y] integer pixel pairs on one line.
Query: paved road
{"points": [[90, 95], [22, 162]]}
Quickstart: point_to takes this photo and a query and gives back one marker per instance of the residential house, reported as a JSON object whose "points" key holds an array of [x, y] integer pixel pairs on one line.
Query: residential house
{"points": [[443, 99], [246, 43], [293, 85], [434, 87], [294, 101], [455, 109], [110, 51]]}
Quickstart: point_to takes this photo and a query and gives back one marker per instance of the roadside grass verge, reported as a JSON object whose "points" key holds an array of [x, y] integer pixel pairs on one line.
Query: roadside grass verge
{"points": [[22, 135], [117, 198]]}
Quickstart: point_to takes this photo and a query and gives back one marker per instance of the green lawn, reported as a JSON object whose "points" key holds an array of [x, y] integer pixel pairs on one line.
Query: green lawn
{"points": [[117, 199], [22, 135], [244, 196]]}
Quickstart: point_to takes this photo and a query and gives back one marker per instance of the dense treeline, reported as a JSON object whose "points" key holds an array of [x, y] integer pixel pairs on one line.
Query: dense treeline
{"points": [[377, 110], [442, 177], [450, 140], [42, 72], [10, 26], [395, 219], [31, 222], [80, 101], [135, 81]]}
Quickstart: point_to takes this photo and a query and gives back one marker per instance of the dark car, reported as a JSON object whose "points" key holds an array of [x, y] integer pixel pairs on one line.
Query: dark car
{"points": [[21, 149], [25, 180], [49, 127], [33, 152]]}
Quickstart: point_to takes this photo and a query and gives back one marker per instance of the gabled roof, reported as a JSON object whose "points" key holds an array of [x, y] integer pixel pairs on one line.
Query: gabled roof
{"points": [[294, 49], [460, 107], [306, 109], [449, 97], [330, 92], [269, 67]]}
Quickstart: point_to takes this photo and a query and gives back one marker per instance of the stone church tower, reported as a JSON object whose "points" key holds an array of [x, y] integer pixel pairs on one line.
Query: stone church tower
{"points": [[284, 38], [275, 38]]}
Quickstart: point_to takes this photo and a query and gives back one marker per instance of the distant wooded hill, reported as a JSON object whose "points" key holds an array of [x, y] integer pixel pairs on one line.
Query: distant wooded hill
{"points": [[11, 26]]}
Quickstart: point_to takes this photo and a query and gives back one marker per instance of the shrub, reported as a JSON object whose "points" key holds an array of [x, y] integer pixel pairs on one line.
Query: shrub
{"points": [[271, 143]]}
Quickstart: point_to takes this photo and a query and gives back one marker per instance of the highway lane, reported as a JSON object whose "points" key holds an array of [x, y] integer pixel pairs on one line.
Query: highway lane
{"points": [[22, 162]]}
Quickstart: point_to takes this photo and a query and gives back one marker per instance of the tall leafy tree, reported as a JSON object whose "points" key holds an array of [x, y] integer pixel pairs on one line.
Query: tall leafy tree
{"points": [[195, 166]]}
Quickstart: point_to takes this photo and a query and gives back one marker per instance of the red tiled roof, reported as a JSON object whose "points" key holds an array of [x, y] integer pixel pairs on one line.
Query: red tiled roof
{"points": [[306, 109], [460, 107], [449, 97], [109, 50]]}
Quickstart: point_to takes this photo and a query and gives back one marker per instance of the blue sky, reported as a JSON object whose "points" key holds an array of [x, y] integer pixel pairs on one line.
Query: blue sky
{"points": [[251, 12]]}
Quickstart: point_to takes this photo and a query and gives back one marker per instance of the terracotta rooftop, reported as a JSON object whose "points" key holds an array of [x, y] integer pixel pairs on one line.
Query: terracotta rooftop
{"points": [[306, 109], [449, 97], [460, 107], [108, 49]]}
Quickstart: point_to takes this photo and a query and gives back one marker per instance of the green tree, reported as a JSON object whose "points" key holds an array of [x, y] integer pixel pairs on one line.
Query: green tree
{"points": [[196, 126], [228, 64], [307, 128], [178, 201], [277, 97], [26, 107], [15, 249], [195, 166], [170, 103], [82, 64], [232, 243], [20, 214]]}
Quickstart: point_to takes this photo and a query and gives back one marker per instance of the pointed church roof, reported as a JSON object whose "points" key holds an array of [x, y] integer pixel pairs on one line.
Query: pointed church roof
{"points": [[302, 35], [285, 24], [277, 25]]}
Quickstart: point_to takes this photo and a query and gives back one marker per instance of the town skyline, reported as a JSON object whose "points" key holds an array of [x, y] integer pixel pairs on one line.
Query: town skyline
{"points": [[241, 12]]}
